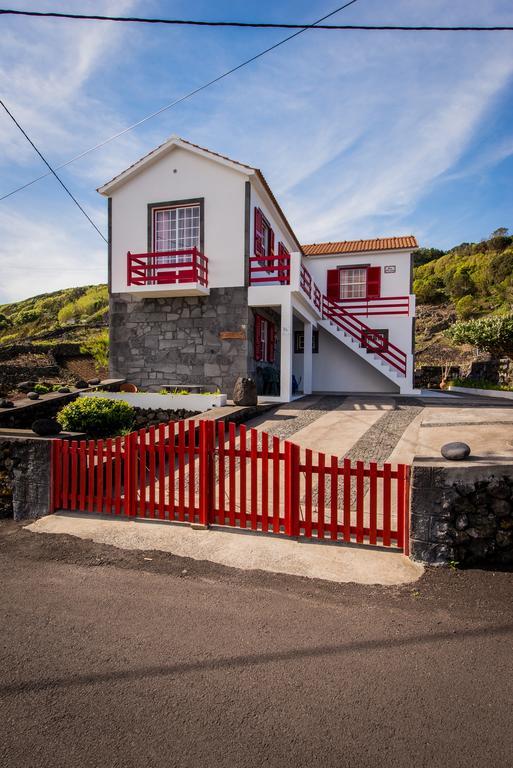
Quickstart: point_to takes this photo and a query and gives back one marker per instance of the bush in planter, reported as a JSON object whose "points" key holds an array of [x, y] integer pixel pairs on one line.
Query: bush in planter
{"points": [[97, 417]]}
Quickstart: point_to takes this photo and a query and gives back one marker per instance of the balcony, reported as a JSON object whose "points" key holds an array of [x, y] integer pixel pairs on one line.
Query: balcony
{"points": [[168, 273]]}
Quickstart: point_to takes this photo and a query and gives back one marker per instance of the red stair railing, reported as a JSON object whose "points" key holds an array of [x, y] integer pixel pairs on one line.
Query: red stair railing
{"points": [[365, 335]]}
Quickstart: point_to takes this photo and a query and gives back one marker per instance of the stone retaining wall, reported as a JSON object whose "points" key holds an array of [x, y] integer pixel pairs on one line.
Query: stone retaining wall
{"points": [[462, 513], [25, 472]]}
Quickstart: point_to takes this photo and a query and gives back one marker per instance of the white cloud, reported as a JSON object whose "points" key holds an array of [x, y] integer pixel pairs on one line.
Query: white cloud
{"points": [[39, 257]]}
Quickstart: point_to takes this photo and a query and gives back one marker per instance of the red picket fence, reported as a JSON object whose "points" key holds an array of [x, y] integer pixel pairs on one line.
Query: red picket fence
{"points": [[211, 473]]}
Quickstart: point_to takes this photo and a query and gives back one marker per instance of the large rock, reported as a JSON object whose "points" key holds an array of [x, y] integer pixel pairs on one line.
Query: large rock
{"points": [[94, 382], [33, 395], [455, 451], [81, 384], [4, 403], [245, 392], [46, 427], [26, 386]]}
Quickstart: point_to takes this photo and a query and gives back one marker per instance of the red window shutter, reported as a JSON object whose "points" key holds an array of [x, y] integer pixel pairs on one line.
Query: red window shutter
{"points": [[271, 342], [257, 352], [271, 242], [258, 235], [373, 282], [333, 285]]}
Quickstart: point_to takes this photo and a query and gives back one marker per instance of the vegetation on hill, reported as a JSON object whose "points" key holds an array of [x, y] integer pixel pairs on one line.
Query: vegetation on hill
{"points": [[69, 314], [465, 298]]}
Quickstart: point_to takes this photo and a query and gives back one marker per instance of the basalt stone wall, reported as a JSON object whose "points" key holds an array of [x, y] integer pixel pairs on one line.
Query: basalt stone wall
{"points": [[24, 477], [462, 514], [182, 340]]}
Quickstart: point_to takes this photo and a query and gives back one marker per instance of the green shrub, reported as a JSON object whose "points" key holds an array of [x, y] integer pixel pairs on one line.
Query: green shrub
{"points": [[429, 289], [479, 384], [98, 348], [26, 316], [41, 389], [465, 307], [97, 416], [4, 322], [493, 334]]}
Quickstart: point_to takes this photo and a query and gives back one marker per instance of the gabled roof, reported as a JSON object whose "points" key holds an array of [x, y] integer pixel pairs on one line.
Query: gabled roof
{"points": [[177, 141], [361, 246]]}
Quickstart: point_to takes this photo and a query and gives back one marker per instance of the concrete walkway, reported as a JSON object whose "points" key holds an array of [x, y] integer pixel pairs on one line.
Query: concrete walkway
{"points": [[244, 550]]}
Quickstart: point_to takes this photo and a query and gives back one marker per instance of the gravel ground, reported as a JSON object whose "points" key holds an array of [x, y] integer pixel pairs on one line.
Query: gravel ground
{"points": [[378, 442], [116, 658]]}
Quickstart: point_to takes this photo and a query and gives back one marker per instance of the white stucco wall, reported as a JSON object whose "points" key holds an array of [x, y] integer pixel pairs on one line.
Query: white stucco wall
{"points": [[223, 190], [259, 199], [338, 369], [392, 284]]}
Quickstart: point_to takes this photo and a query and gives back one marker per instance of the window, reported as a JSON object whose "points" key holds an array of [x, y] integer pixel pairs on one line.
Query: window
{"points": [[176, 229], [265, 340], [376, 340], [299, 342], [353, 283]]}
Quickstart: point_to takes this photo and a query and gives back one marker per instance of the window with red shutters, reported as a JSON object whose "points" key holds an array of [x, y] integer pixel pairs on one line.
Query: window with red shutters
{"points": [[259, 234], [373, 282], [257, 346], [333, 284], [271, 342]]}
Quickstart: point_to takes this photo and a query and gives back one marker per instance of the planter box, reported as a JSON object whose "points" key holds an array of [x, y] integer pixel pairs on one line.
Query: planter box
{"points": [[155, 401], [504, 394]]}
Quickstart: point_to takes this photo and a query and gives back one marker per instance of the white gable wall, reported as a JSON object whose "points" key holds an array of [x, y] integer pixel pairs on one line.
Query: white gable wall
{"points": [[223, 190], [392, 284], [260, 200]]}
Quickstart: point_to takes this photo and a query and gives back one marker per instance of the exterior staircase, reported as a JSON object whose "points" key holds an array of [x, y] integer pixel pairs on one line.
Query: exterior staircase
{"points": [[360, 338]]}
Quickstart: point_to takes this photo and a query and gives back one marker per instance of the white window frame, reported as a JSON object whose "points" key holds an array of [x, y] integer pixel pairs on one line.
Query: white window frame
{"points": [[353, 283], [184, 232]]}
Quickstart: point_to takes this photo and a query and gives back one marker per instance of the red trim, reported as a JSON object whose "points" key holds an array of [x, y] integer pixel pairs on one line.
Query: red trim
{"points": [[152, 268]]}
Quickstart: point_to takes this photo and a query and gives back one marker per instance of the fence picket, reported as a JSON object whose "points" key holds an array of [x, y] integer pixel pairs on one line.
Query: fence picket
{"points": [[373, 494], [334, 499], [152, 477], [99, 476], [221, 473], [347, 499], [65, 474], [321, 493], [181, 470], [254, 479], [243, 445], [91, 457], [308, 493], [387, 469], [360, 495], [265, 482], [276, 485], [171, 463], [142, 473], [192, 469], [74, 473], [231, 470], [118, 469]]}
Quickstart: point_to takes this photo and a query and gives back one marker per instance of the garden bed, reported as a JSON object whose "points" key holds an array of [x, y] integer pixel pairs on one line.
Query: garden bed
{"points": [[170, 402], [502, 393]]}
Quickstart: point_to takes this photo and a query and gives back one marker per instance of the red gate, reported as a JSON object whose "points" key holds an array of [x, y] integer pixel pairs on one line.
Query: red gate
{"points": [[210, 473]]}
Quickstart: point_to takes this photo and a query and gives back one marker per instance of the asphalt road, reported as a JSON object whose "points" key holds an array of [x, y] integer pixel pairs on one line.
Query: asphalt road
{"points": [[110, 659]]}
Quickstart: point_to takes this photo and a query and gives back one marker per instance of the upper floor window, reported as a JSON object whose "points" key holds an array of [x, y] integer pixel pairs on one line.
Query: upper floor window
{"points": [[176, 228], [353, 283]]}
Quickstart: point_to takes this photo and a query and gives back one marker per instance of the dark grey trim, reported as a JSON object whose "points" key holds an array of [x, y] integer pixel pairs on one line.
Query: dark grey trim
{"points": [[247, 230], [352, 266], [109, 243], [171, 204]]}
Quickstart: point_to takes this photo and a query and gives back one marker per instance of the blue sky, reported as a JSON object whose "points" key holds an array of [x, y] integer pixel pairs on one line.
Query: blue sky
{"points": [[359, 134]]}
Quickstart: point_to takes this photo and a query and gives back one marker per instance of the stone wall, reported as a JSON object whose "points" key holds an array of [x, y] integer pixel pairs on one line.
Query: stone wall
{"points": [[25, 473], [462, 513], [183, 340], [495, 371]]}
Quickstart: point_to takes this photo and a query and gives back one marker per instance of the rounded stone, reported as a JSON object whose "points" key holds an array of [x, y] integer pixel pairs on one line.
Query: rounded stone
{"points": [[46, 427], [81, 384], [455, 451], [26, 386], [94, 382], [245, 391], [33, 395], [4, 403]]}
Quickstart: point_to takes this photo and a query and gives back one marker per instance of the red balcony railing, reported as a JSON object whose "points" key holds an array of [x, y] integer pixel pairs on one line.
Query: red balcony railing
{"points": [[269, 269], [167, 268], [385, 305]]}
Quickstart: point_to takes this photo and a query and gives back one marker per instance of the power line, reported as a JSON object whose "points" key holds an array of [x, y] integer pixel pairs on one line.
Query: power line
{"points": [[251, 24], [177, 101], [45, 161]]}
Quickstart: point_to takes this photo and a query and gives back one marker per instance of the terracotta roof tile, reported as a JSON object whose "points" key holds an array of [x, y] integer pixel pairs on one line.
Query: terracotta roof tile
{"points": [[360, 246]]}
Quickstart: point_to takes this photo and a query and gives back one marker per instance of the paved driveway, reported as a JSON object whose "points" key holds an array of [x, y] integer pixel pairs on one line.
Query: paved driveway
{"points": [[393, 428], [115, 658]]}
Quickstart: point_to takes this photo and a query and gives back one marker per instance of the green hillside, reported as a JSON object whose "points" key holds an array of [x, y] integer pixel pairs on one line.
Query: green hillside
{"points": [[72, 314], [472, 281]]}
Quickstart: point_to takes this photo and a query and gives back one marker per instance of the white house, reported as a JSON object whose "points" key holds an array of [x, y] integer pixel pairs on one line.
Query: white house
{"points": [[208, 282]]}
